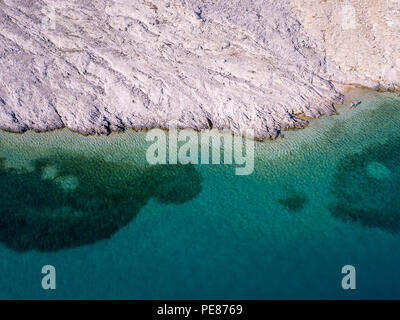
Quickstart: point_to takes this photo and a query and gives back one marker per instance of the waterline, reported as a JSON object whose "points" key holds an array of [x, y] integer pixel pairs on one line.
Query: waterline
{"points": [[204, 232]]}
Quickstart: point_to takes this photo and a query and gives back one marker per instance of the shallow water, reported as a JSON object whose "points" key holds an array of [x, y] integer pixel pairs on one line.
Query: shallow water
{"points": [[319, 199]]}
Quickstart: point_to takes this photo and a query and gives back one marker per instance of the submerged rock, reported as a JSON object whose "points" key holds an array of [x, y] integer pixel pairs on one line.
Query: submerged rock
{"points": [[366, 187], [294, 202], [84, 200]]}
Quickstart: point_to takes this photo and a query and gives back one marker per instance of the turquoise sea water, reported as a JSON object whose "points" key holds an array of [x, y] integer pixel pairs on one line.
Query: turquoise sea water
{"points": [[319, 199]]}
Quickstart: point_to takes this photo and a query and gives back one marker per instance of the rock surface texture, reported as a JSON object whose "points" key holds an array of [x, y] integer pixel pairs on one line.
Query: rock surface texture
{"points": [[361, 37], [104, 65]]}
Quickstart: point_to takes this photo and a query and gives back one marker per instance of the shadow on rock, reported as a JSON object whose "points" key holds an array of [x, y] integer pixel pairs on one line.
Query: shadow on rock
{"points": [[73, 201]]}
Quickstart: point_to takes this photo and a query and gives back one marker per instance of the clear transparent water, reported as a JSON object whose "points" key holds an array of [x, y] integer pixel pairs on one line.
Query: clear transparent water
{"points": [[319, 199]]}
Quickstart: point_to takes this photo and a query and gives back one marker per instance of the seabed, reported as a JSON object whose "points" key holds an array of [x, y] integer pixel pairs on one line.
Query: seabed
{"points": [[115, 227]]}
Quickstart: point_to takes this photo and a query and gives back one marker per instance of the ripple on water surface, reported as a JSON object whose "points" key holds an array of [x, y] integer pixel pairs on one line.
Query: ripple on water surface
{"points": [[320, 198]]}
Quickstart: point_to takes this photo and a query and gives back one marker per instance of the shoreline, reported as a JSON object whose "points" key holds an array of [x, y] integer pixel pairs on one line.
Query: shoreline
{"points": [[233, 71], [349, 93]]}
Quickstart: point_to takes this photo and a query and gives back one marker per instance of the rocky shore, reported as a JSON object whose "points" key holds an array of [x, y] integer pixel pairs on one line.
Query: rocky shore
{"points": [[99, 66]]}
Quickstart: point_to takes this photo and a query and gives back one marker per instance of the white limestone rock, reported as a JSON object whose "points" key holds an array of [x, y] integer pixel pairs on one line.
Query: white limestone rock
{"points": [[361, 37], [102, 65]]}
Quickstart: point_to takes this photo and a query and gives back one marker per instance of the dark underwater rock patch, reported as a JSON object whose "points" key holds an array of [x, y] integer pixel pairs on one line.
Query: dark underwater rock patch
{"points": [[367, 187], [294, 202], [80, 200]]}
